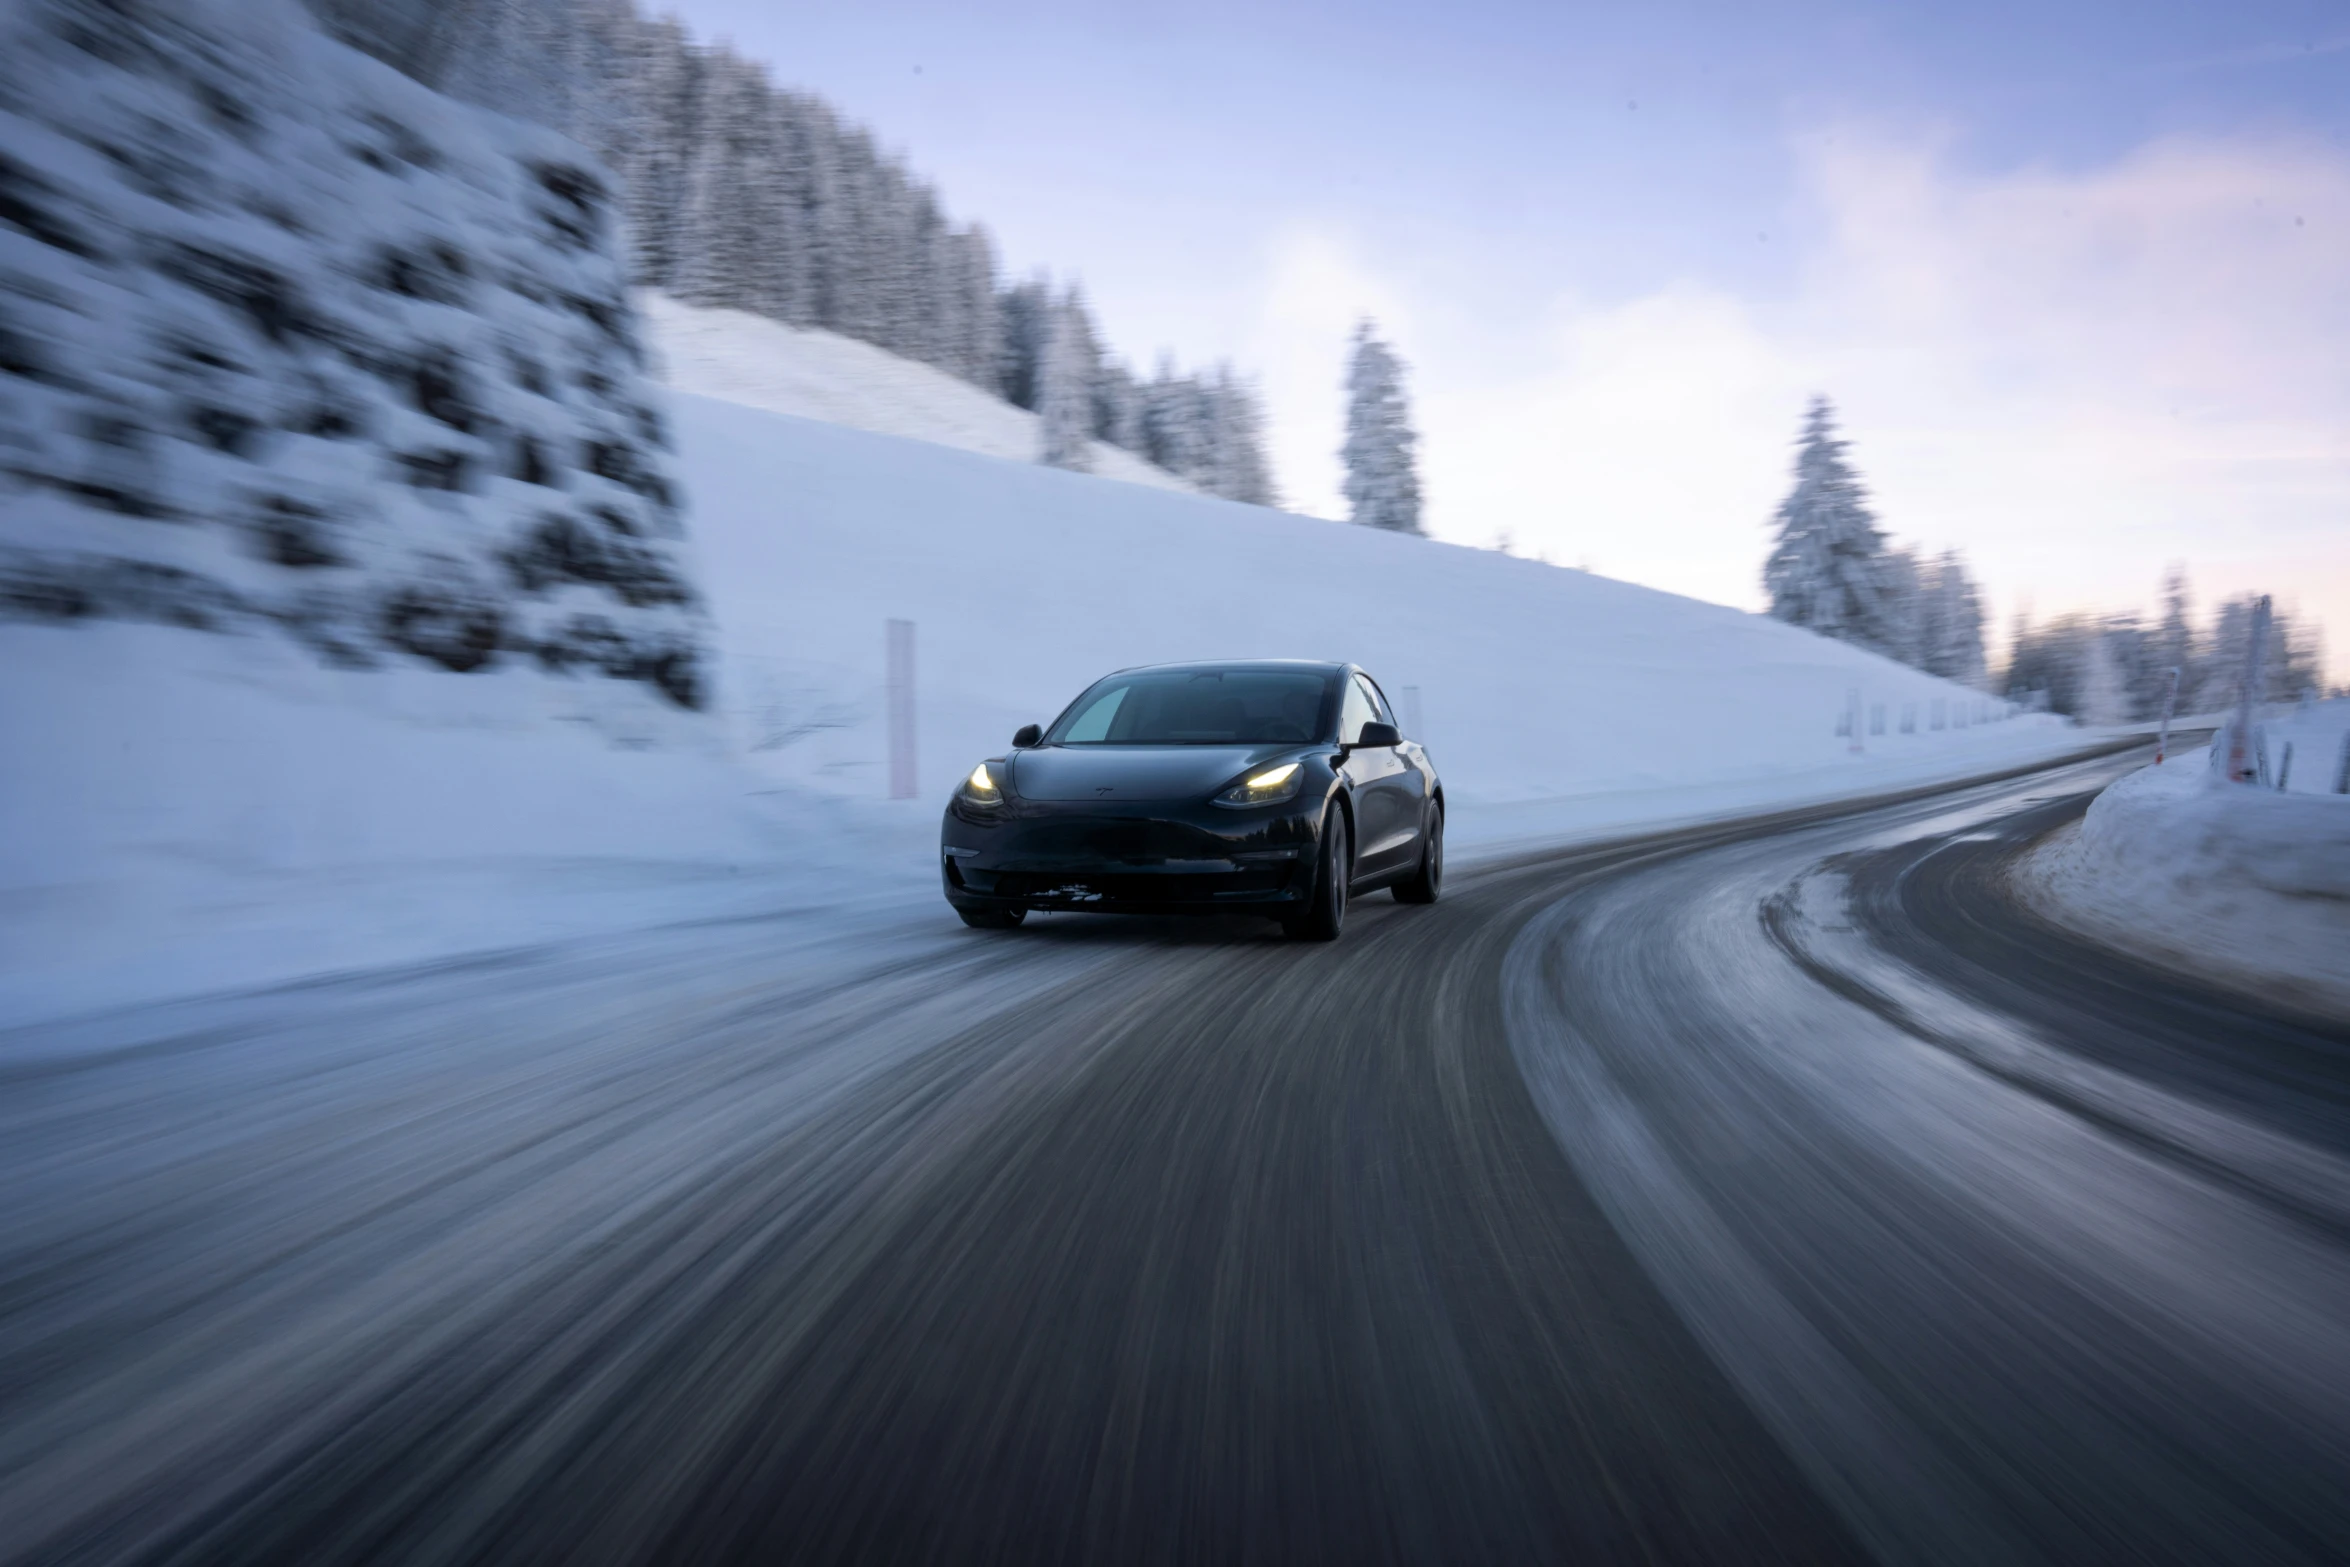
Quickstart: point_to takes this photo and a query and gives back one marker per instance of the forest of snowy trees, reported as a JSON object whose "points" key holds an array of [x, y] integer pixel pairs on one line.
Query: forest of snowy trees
{"points": [[1832, 569], [2116, 668], [748, 196]]}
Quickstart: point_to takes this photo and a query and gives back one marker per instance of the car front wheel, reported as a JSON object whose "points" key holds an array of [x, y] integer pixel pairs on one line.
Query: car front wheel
{"points": [[1325, 915]]}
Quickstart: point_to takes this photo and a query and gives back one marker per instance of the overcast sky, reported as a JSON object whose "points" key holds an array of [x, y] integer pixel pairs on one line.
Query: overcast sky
{"points": [[2074, 274]]}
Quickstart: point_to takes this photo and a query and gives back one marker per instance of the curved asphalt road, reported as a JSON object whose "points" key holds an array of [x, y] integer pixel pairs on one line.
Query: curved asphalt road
{"points": [[1778, 1192]]}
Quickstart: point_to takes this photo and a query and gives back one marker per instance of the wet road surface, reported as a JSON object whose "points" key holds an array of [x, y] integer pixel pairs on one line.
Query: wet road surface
{"points": [[1770, 1192]]}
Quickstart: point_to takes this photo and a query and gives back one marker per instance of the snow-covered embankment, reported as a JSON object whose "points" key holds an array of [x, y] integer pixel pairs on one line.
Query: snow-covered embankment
{"points": [[2244, 885]]}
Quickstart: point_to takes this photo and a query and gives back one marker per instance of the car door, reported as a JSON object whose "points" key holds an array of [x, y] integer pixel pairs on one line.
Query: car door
{"points": [[1386, 788]]}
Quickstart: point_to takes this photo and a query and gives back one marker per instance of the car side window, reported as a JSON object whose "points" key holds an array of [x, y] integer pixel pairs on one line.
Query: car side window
{"points": [[1379, 702], [1357, 710], [1093, 725]]}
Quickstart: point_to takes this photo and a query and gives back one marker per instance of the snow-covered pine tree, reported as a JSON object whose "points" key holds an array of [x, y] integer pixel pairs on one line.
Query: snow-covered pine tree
{"points": [[1238, 430], [1064, 400], [1117, 406], [1025, 311], [1828, 570], [1909, 610], [2103, 699], [731, 190], [978, 341], [1382, 475], [659, 92], [1174, 416], [2174, 641], [1950, 630]]}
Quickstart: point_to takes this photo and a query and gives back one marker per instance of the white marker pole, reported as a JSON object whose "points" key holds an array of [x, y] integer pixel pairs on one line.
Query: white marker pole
{"points": [[1852, 717], [2342, 767], [898, 662], [2170, 699], [2243, 767]]}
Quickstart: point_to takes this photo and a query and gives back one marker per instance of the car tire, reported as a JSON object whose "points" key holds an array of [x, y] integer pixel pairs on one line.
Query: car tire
{"points": [[1426, 882], [992, 919], [1325, 915]]}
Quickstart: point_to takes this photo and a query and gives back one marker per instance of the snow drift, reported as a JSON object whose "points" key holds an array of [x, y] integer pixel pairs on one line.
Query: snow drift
{"points": [[2248, 885]]}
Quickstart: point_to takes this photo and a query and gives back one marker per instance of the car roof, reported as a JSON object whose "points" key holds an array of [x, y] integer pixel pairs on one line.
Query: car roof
{"points": [[1266, 665]]}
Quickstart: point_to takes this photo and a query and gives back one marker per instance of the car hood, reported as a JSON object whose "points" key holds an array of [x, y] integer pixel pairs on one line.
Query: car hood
{"points": [[1132, 772]]}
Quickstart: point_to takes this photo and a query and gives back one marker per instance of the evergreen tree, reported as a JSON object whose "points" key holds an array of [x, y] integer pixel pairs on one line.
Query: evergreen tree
{"points": [[1828, 571], [2102, 699], [658, 88], [1064, 398], [1382, 476], [1240, 470], [1950, 621], [2175, 646], [1175, 426], [1026, 313], [1909, 612]]}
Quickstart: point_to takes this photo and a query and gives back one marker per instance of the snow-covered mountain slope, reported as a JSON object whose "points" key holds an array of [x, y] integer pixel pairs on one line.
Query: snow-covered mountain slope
{"points": [[742, 358], [1551, 698], [289, 343]]}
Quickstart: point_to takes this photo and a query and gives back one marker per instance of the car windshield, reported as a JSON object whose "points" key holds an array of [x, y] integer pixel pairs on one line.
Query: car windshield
{"points": [[1196, 707]]}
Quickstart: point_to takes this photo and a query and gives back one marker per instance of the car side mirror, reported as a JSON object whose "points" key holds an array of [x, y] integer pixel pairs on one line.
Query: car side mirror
{"points": [[1376, 734], [1025, 736]]}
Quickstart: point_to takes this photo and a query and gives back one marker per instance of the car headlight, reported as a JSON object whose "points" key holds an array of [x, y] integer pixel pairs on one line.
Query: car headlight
{"points": [[1269, 787], [981, 788]]}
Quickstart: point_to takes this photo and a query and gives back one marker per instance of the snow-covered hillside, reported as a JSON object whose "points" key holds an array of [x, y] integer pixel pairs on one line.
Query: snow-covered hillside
{"points": [[760, 363], [1551, 698]]}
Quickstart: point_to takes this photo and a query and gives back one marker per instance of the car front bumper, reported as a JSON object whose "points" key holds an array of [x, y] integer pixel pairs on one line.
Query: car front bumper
{"points": [[1129, 858]]}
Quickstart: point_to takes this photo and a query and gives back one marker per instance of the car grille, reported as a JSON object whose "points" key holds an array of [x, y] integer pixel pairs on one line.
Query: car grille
{"points": [[1135, 840], [1079, 889]]}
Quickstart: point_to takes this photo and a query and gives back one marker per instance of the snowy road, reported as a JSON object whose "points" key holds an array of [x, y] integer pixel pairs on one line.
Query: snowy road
{"points": [[1747, 1193]]}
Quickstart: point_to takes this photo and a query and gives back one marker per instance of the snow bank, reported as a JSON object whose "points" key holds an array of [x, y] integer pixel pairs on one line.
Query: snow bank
{"points": [[2318, 734], [190, 813], [812, 374], [1554, 700], [2249, 886]]}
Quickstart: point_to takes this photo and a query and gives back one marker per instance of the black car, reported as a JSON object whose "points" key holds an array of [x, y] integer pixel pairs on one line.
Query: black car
{"points": [[1275, 788]]}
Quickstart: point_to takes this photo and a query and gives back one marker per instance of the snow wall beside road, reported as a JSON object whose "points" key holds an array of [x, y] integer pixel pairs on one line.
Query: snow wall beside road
{"points": [[2247, 885]]}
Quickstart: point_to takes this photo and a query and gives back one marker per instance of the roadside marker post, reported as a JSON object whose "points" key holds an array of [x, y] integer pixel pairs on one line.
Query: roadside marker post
{"points": [[2170, 700], [2243, 766], [898, 667], [2342, 767], [2285, 767]]}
